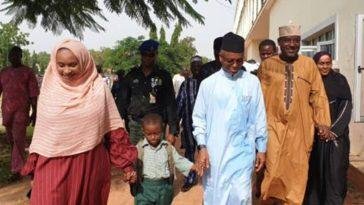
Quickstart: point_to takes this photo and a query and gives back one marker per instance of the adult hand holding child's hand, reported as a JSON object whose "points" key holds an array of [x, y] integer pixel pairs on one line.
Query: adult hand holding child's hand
{"points": [[130, 177]]}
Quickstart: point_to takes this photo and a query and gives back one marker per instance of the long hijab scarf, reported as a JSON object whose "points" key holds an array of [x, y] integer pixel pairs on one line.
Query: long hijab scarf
{"points": [[73, 119]]}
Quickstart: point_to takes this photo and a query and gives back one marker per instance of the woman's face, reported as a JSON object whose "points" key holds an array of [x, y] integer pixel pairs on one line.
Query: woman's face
{"points": [[324, 64], [68, 66]]}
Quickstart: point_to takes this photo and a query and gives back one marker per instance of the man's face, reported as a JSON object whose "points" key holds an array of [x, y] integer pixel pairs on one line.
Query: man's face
{"points": [[266, 52], [196, 67], [149, 58], [290, 45], [231, 61]]}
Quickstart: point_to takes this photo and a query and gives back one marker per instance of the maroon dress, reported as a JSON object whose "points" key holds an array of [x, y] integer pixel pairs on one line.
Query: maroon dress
{"points": [[18, 86], [82, 178]]}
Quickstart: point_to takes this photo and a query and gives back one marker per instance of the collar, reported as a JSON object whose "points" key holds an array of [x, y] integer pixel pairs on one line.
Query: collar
{"points": [[155, 69], [288, 59], [162, 143], [230, 76]]}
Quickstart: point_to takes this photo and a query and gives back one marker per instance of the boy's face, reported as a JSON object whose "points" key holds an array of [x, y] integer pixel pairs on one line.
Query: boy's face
{"points": [[153, 133]]}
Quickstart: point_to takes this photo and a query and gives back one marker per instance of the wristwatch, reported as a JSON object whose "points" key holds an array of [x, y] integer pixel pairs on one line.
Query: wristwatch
{"points": [[201, 146]]}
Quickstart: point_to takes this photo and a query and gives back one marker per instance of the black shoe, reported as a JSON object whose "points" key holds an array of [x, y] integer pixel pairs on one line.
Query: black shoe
{"points": [[190, 181]]}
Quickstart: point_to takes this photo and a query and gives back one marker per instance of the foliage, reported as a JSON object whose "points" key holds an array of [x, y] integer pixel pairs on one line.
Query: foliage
{"points": [[177, 54], [10, 35], [124, 55], [153, 33], [77, 15], [6, 176], [176, 34], [42, 61], [37, 61], [97, 56], [162, 38]]}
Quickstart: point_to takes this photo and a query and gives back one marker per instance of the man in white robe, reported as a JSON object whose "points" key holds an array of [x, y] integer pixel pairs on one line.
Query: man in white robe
{"points": [[229, 123]]}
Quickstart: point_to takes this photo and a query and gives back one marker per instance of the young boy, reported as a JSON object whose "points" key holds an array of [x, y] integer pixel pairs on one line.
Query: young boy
{"points": [[156, 162]]}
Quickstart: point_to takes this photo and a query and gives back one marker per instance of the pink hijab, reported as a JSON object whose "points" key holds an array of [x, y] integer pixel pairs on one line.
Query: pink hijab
{"points": [[73, 119]]}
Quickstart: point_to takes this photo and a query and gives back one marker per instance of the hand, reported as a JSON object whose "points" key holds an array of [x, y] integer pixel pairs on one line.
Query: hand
{"points": [[130, 177], [32, 119], [197, 169], [331, 136], [323, 132], [259, 161], [171, 139], [203, 160]]}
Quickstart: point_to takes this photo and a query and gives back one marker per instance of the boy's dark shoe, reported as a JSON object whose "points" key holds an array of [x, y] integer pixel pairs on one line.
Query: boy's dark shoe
{"points": [[190, 181]]}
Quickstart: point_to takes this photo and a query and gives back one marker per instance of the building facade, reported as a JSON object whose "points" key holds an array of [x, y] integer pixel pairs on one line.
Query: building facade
{"points": [[336, 26]]}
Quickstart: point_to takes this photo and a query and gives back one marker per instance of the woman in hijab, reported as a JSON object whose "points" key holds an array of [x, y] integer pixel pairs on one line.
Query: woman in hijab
{"points": [[330, 156], [78, 133]]}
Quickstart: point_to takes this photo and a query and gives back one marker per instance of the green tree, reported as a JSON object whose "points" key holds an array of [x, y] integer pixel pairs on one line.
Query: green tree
{"points": [[124, 55], [10, 35], [59, 15], [42, 61], [153, 33], [176, 34], [97, 56], [162, 36]]}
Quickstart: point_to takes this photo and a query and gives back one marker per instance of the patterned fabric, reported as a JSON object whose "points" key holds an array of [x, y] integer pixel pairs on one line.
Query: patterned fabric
{"points": [[72, 119], [79, 179], [155, 161], [135, 131], [288, 86], [291, 131], [15, 133], [185, 102], [17, 86], [149, 94]]}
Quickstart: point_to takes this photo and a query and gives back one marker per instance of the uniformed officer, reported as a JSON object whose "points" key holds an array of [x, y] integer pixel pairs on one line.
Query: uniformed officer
{"points": [[148, 89]]}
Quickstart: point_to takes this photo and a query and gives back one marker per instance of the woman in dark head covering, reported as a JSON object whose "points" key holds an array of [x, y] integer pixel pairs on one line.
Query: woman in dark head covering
{"points": [[330, 156]]}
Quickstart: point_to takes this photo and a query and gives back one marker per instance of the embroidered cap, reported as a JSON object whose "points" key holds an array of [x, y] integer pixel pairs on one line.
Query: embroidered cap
{"points": [[290, 30]]}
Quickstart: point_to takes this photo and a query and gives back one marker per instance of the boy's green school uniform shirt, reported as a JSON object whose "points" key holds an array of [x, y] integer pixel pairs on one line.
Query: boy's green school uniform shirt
{"points": [[155, 161]]}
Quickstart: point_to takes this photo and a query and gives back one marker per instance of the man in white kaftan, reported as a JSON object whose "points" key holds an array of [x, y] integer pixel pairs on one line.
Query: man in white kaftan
{"points": [[229, 126]]}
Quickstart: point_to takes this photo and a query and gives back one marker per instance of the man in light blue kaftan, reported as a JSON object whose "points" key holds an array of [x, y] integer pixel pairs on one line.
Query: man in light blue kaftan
{"points": [[229, 126]]}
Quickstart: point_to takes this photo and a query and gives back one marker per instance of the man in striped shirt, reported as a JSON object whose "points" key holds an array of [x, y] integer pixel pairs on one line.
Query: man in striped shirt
{"points": [[185, 103]]}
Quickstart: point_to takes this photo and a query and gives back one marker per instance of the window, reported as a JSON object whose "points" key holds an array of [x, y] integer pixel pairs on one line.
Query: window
{"points": [[323, 40], [308, 50]]}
